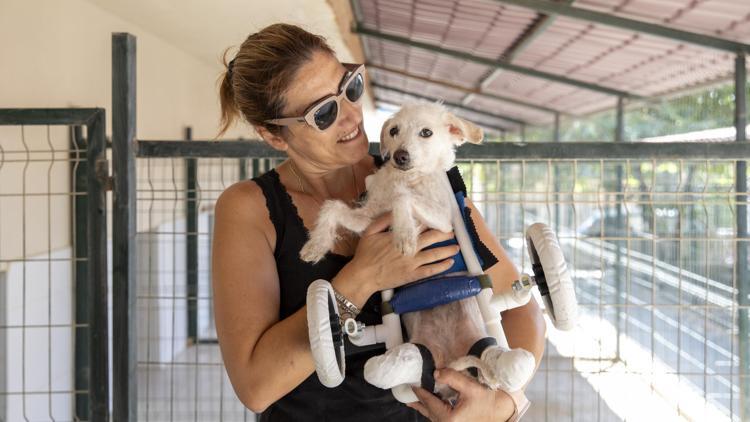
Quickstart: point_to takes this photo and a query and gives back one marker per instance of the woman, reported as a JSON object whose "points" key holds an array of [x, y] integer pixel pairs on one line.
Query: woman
{"points": [[301, 100]]}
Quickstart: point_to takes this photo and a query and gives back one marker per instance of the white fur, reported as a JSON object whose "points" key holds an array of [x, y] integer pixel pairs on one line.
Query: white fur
{"points": [[450, 330], [408, 193]]}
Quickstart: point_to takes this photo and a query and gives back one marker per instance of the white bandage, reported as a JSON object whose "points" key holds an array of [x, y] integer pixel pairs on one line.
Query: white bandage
{"points": [[399, 365]]}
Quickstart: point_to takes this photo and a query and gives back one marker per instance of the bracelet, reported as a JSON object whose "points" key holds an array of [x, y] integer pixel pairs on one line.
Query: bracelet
{"points": [[347, 308]]}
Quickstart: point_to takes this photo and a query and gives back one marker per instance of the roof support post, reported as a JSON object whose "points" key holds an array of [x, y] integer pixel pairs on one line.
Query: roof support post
{"points": [[741, 280]]}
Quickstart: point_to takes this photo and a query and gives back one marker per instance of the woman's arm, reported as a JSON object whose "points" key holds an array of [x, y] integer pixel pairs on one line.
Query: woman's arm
{"points": [[265, 358]]}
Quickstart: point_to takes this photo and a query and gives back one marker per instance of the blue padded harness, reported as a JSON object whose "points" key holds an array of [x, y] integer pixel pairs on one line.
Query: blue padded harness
{"points": [[439, 290], [427, 294]]}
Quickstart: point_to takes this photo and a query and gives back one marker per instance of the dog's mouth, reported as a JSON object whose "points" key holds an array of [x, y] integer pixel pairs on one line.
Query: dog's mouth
{"points": [[406, 167]]}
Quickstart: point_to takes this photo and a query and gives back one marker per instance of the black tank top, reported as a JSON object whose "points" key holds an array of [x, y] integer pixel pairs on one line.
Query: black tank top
{"points": [[355, 399]]}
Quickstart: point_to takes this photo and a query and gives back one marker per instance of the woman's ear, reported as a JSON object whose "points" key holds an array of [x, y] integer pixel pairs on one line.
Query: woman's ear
{"points": [[275, 141], [462, 130]]}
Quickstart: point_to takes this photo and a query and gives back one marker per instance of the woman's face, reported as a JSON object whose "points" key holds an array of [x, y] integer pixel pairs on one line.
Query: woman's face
{"points": [[334, 147]]}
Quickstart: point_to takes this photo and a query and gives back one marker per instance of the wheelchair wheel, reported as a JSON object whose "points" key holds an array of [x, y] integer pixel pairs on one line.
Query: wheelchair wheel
{"points": [[552, 276], [326, 336]]}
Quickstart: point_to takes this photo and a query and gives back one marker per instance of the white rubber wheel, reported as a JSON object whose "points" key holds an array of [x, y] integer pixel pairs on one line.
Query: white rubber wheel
{"points": [[561, 301], [327, 347]]}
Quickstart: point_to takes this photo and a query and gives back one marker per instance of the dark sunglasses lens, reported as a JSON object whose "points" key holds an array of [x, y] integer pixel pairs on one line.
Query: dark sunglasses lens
{"points": [[326, 115], [355, 88]]}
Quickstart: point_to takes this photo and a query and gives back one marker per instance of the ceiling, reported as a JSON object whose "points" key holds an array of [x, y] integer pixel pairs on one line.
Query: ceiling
{"points": [[551, 63]]}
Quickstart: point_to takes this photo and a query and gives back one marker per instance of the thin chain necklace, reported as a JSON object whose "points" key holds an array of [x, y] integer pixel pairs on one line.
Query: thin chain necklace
{"points": [[302, 187]]}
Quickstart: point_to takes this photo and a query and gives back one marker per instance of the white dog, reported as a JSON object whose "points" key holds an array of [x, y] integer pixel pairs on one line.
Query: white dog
{"points": [[418, 144]]}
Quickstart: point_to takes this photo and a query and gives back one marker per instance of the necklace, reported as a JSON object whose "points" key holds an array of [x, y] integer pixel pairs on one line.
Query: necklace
{"points": [[292, 167]]}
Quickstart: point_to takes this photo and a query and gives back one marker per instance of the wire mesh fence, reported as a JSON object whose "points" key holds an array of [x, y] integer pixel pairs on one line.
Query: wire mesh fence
{"points": [[651, 245], [180, 372], [53, 324]]}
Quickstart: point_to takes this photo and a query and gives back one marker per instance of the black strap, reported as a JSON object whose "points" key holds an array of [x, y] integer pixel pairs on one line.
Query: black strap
{"points": [[428, 368], [478, 348]]}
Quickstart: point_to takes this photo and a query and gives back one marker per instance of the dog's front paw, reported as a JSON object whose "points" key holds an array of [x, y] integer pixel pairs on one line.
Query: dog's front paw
{"points": [[406, 244], [313, 251]]}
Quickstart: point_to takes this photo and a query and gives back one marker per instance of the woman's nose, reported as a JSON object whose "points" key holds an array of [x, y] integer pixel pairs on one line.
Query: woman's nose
{"points": [[349, 113]]}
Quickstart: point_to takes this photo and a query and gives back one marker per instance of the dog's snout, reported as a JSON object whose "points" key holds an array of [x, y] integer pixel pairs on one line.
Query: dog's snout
{"points": [[401, 157]]}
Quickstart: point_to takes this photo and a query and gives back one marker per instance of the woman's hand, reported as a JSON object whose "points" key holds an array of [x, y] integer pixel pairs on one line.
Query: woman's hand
{"points": [[378, 265], [475, 401]]}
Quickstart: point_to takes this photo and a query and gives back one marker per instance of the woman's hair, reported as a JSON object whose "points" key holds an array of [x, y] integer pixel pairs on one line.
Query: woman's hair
{"points": [[257, 78]]}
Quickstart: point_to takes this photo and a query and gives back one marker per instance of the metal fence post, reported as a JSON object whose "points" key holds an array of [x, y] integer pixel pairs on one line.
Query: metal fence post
{"points": [[619, 137], [743, 284], [243, 164], [124, 228], [96, 225], [79, 203], [191, 258], [556, 136]]}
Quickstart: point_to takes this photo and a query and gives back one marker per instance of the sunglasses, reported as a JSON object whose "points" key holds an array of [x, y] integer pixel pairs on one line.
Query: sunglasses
{"points": [[322, 114]]}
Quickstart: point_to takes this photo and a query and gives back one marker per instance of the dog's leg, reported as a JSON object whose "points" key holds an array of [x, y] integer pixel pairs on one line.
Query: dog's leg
{"points": [[399, 365], [434, 215], [404, 226], [355, 220], [508, 370], [324, 235]]}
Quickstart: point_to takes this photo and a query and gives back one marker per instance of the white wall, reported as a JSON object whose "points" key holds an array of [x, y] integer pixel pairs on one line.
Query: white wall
{"points": [[56, 53], [38, 358]]}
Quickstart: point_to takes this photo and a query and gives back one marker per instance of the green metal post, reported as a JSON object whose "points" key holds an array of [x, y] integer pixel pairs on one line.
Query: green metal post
{"points": [[243, 165], [741, 263], [556, 136], [124, 264], [96, 239], [82, 294], [191, 242]]}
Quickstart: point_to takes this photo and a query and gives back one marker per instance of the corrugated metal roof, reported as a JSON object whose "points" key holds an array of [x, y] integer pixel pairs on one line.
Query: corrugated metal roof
{"points": [[594, 53]]}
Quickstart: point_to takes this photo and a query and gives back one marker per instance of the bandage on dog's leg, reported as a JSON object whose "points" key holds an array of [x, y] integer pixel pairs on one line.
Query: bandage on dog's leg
{"points": [[512, 368], [403, 364]]}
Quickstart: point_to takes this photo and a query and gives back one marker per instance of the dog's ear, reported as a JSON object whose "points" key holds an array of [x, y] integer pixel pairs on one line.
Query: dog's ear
{"points": [[384, 153], [462, 130]]}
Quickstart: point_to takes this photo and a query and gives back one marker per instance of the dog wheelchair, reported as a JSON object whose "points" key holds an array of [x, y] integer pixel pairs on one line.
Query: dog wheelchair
{"points": [[465, 279]]}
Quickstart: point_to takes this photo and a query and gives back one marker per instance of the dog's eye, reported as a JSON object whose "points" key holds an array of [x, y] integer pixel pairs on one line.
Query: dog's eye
{"points": [[425, 133], [394, 131]]}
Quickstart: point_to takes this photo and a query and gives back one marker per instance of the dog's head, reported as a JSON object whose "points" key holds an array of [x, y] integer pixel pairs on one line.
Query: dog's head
{"points": [[422, 138]]}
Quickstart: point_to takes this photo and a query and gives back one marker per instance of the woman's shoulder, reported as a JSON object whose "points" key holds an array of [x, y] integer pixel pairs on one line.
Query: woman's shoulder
{"points": [[242, 201]]}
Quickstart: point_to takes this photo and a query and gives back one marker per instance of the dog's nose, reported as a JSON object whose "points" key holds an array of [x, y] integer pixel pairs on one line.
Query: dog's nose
{"points": [[401, 157]]}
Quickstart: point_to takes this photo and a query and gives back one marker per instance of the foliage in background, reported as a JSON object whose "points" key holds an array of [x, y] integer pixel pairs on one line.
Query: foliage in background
{"points": [[709, 109]]}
